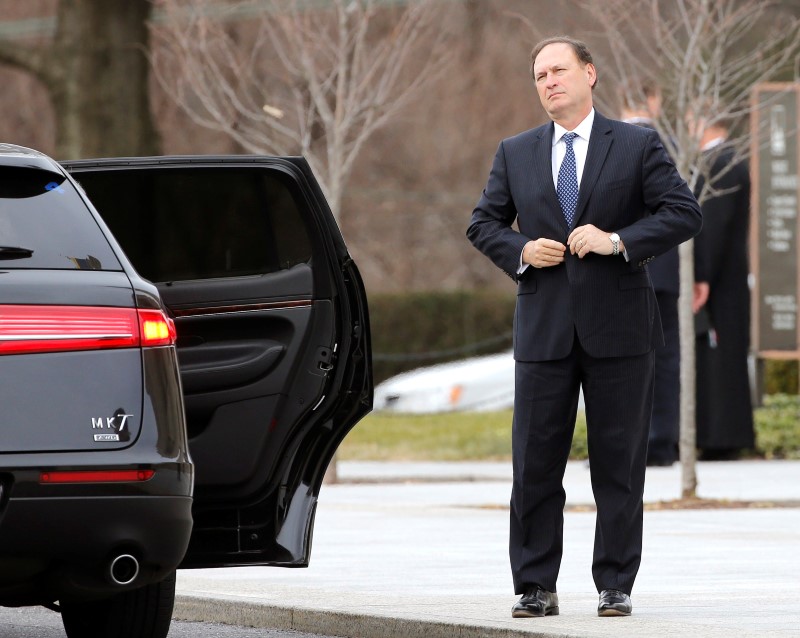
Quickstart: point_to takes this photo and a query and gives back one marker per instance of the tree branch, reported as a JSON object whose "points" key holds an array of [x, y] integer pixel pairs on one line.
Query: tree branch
{"points": [[30, 59], [315, 80]]}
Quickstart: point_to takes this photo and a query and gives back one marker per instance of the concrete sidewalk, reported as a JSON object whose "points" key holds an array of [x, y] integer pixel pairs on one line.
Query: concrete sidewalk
{"points": [[404, 550]]}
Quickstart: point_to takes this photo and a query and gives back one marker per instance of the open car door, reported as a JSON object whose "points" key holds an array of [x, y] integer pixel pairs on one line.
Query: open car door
{"points": [[273, 335]]}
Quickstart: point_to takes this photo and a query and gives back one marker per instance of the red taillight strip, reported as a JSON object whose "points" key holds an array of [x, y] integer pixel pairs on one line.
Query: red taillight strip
{"points": [[31, 329], [96, 476]]}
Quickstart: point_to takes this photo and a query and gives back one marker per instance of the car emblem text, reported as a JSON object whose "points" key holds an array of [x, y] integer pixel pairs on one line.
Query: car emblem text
{"points": [[116, 427]]}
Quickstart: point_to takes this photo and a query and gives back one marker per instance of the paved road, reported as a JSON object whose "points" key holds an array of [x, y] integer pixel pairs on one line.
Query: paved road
{"points": [[38, 622], [420, 550], [402, 551]]}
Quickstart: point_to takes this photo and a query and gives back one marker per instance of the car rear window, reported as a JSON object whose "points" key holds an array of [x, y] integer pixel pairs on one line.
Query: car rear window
{"points": [[180, 224], [45, 224]]}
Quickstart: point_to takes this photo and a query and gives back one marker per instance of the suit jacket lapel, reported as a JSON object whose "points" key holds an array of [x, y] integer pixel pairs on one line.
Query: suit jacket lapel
{"points": [[599, 143], [543, 168]]}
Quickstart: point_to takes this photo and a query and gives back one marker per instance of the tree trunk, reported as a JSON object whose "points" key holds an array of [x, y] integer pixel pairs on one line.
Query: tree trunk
{"points": [[97, 73], [688, 447]]}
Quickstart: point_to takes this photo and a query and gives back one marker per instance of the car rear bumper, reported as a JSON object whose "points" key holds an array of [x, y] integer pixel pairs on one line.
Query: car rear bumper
{"points": [[62, 548]]}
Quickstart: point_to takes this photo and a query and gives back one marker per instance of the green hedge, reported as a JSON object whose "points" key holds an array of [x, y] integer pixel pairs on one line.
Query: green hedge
{"points": [[780, 377], [777, 425], [416, 329]]}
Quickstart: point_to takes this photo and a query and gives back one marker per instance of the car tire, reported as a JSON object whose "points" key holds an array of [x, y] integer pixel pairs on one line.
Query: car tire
{"points": [[145, 612]]}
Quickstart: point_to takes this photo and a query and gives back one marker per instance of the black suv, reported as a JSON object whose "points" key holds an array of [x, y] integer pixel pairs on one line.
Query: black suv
{"points": [[184, 342]]}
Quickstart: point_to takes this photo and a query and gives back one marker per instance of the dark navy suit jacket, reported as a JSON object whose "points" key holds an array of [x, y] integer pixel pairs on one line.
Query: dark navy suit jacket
{"points": [[629, 186]]}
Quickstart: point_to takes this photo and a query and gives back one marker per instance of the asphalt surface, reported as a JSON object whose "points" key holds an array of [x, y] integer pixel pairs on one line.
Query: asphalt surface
{"points": [[38, 622], [404, 550]]}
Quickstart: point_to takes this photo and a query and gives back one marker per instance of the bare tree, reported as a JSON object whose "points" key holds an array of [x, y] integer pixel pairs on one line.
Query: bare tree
{"points": [[706, 56], [314, 79], [95, 70], [299, 77]]}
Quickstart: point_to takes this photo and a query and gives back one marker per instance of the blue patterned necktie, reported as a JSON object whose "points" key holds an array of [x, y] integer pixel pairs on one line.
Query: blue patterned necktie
{"points": [[567, 188]]}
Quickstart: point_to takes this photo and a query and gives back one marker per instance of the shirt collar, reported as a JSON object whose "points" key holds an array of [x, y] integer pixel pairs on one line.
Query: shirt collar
{"points": [[640, 121], [713, 143], [583, 130]]}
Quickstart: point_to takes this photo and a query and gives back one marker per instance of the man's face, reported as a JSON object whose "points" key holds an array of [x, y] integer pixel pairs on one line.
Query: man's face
{"points": [[564, 86]]}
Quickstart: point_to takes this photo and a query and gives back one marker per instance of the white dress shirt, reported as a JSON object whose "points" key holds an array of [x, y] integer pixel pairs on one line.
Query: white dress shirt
{"points": [[580, 145], [717, 141]]}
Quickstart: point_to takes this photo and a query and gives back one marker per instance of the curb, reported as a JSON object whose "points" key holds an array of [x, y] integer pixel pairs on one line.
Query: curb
{"points": [[234, 611]]}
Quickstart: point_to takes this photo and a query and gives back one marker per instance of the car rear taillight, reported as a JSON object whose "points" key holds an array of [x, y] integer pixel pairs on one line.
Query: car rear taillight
{"points": [[156, 328], [31, 329], [96, 476]]}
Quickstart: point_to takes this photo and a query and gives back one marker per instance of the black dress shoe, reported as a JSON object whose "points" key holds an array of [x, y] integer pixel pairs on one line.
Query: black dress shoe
{"points": [[535, 603], [656, 462], [719, 454], [661, 456], [614, 603], [655, 459]]}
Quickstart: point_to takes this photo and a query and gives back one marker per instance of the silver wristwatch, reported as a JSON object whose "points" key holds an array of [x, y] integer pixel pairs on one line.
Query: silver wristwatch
{"points": [[614, 243]]}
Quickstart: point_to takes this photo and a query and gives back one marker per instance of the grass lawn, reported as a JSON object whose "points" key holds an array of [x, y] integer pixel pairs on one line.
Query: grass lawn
{"points": [[476, 436], [452, 436]]}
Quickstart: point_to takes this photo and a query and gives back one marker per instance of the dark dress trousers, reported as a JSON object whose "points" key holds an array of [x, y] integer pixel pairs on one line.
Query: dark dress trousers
{"points": [[590, 322], [664, 270], [665, 420], [662, 448], [724, 407]]}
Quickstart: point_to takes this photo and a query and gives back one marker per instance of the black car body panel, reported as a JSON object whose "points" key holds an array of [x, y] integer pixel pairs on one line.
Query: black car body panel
{"points": [[273, 335], [82, 387], [101, 407], [92, 431]]}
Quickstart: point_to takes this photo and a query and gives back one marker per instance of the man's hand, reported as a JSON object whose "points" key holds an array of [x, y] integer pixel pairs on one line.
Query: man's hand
{"points": [[700, 295], [542, 253], [590, 239]]}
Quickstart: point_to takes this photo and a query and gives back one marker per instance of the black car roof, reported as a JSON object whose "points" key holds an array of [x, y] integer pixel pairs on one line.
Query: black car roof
{"points": [[21, 156]]}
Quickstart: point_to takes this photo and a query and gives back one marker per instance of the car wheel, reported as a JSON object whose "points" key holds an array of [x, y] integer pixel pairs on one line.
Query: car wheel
{"points": [[145, 612]]}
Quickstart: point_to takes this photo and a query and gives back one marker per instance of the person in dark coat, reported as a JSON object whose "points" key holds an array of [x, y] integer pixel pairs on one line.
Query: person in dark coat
{"points": [[593, 201], [724, 407], [642, 107]]}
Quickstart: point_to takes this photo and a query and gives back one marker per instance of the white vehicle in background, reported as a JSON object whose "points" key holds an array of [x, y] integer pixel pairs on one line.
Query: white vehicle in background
{"points": [[478, 384]]}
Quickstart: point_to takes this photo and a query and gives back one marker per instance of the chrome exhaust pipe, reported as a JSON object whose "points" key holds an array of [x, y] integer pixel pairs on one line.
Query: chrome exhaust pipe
{"points": [[123, 569]]}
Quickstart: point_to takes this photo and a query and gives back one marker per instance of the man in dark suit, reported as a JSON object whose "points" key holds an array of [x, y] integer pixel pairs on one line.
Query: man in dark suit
{"points": [[724, 407], [642, 107], [594, 200]]}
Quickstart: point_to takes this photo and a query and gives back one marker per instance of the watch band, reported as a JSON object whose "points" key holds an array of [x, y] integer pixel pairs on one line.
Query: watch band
{"points": [[614, 243]]}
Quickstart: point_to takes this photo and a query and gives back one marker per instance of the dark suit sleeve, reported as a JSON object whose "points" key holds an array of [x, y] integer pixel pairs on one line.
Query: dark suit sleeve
{"points": [[699, 248], [727, 215], [700, 261], [675, 214], [490, 230]]}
